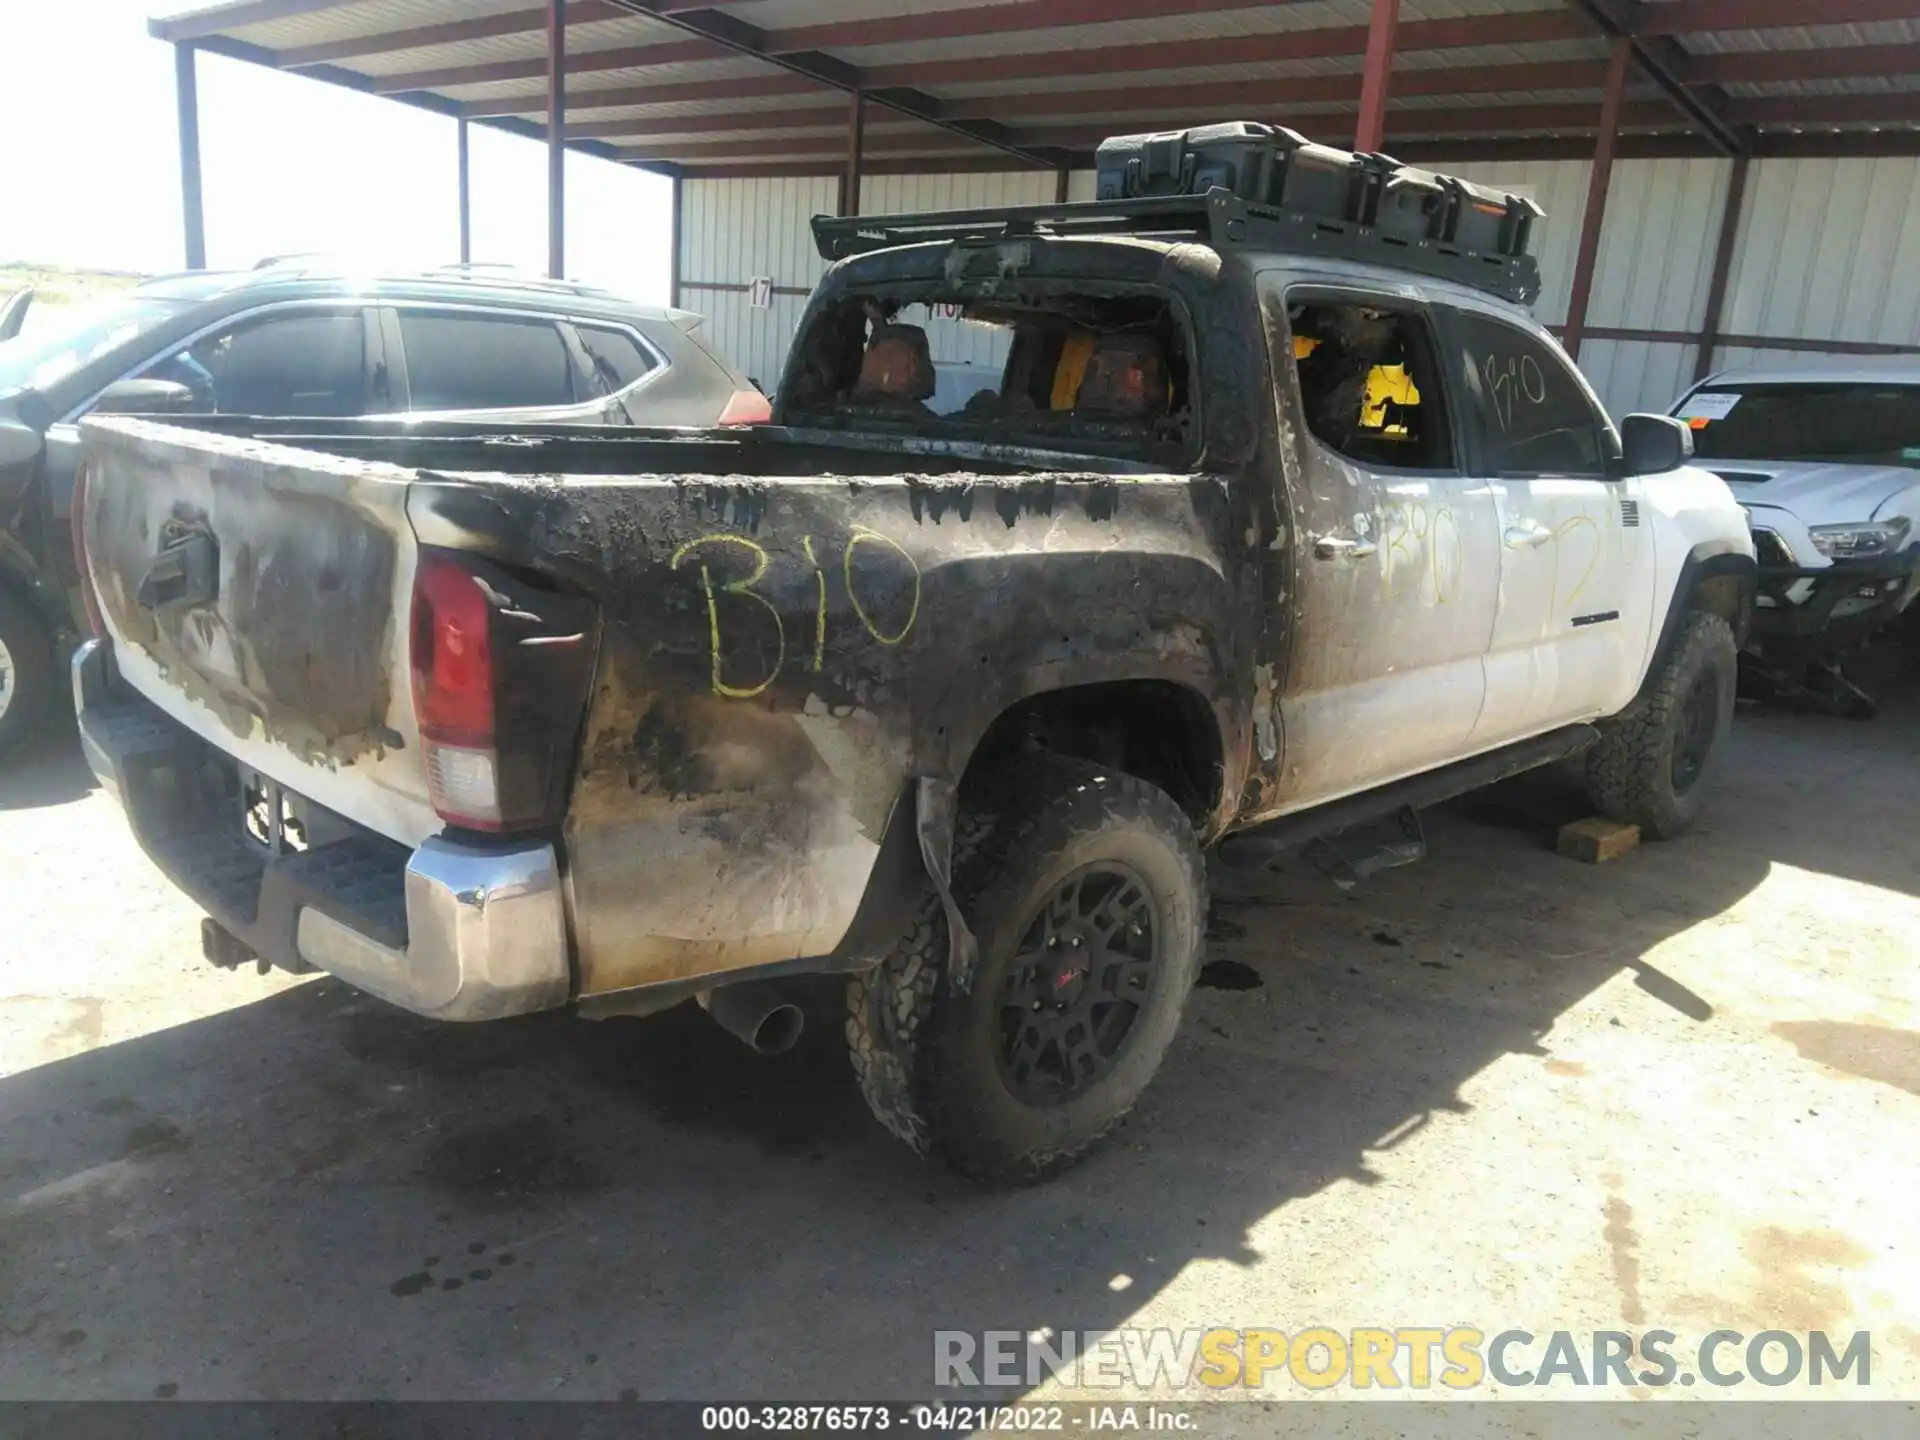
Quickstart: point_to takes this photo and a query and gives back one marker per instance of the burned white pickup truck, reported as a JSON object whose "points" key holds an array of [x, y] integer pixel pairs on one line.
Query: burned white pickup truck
{"points": [[1276, 520]]}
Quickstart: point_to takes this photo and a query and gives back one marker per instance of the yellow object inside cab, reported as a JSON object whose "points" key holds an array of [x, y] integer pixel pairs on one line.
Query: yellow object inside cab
{"points": [[1386, 383]]}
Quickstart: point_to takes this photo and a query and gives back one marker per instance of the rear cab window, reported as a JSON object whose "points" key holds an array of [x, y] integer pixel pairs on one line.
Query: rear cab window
{"points": [[1813, 421], [1044, 364], [462, 360]]}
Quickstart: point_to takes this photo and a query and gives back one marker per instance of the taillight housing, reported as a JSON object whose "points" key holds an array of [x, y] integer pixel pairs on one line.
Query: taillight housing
{"points": [[76, 521], [746, 407], [500, 674]]}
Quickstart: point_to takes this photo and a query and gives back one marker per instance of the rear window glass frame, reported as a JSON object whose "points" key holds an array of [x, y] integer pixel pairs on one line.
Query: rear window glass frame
{"points": [[1179, 455]]}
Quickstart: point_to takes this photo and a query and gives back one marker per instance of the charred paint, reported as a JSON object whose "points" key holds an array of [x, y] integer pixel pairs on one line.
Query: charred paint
{"points": [[294, 642], [766, 690], [793, 634]]}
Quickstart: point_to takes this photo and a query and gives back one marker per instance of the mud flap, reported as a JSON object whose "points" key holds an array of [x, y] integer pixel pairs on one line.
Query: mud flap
{"points": [[937, 813]]}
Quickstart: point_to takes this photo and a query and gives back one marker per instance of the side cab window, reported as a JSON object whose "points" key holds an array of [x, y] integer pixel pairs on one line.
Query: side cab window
{"points": [[1370, 381], [1528, 411]]}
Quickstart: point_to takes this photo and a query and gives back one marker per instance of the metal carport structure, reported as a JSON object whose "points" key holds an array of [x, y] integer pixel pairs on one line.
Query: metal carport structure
{"points": [[769, 89]]}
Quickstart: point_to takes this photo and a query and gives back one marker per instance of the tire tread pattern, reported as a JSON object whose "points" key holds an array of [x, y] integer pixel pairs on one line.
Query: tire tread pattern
{"points": [[1629, 770], [891, 1007]]}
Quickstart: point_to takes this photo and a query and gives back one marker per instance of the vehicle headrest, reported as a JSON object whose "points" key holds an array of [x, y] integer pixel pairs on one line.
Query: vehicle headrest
{"points": [[1126, 377], [897, 364]]}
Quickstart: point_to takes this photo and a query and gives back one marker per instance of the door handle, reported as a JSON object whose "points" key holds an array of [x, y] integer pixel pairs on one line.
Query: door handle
{"points": [[1335, 547], [1528, 534]]}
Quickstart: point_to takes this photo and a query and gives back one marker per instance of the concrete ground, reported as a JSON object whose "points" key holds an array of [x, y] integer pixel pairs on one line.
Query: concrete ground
{"points": [[1499, 1089]]}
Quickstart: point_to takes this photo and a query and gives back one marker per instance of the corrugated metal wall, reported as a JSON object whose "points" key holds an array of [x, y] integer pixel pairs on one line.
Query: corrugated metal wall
{"points": [[1828, 249], [732, 231]]}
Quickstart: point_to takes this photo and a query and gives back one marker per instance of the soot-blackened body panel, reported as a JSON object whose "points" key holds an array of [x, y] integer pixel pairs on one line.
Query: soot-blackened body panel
{"points": [[289, 635], [779, 659]]}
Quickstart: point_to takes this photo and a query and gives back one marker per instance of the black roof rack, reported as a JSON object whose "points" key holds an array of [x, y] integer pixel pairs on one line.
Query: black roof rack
{"points": [[1218, 218]]}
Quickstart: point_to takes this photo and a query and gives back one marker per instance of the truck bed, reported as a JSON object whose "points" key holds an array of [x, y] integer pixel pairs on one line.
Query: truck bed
{"points": [[778, 633]]}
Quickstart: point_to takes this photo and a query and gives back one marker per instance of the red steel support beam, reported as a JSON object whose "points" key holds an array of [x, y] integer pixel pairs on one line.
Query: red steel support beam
{"points": [[856, 153], [989, 164], [556, 139], [1280, 94], [1528, 27], [466, 202], [1722, 268], [1332, 42], [1769, 67], [1372, 128], [830, 149], [1421, 127], [1596, 212], [628, 57], [973, 21], [620, 97], [1896, 107], [1685, 17], [192, 213]]}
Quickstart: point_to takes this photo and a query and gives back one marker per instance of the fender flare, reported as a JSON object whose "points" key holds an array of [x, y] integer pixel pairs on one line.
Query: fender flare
{"points": [[1708, 560]]}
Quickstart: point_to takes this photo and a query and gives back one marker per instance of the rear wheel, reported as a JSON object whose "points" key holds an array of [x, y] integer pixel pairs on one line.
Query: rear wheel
{"points": [[1652, 765], [26, 672], [1087, 893]]}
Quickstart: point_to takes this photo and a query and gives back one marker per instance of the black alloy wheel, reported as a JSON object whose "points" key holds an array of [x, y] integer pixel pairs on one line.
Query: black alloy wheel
{"points": [[1087, 962]]}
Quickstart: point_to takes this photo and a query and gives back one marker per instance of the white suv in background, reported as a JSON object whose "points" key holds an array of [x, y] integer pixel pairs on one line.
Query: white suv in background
{"points": [[1825, 456]]}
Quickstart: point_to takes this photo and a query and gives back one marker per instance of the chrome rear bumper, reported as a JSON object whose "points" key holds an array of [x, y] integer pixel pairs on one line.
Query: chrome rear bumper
{"points": [[454, 930]]}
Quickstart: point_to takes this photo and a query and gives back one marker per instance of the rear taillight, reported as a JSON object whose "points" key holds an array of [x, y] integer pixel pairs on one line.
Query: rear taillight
{"points": [[452, 655], [746, 407], [500, 672], [76, 520]]}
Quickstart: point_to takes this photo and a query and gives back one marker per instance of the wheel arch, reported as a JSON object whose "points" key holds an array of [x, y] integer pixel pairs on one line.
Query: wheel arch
{"points": [[1718, 577], [1160, 730]]}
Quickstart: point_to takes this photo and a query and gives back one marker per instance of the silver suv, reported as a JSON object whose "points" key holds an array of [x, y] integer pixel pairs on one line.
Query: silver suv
{"points": [[299, 338]]}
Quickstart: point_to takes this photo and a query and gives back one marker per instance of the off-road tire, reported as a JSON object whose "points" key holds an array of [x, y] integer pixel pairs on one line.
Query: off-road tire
{"points": [[923, 1048], [30, 653], [1630, 773]]}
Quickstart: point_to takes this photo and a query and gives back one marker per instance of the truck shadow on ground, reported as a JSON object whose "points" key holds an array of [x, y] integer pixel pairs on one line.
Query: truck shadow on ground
{"points": [[317, 1196], [47, 770]]}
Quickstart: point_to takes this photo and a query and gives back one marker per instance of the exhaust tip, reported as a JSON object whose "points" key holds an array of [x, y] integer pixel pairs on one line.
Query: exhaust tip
{"points": [[779, 1030], [760, 1015]]}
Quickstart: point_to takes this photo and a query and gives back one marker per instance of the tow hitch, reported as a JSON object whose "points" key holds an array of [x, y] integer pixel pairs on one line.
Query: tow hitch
{"points": [[226, 950]]}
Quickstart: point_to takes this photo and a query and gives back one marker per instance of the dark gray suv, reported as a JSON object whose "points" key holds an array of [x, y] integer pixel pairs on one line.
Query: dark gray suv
{"points": [[298, 338]]}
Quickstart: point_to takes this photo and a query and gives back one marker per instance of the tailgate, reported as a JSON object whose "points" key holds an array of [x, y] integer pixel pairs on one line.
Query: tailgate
{"points": [[258, 594]]}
